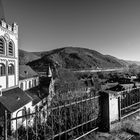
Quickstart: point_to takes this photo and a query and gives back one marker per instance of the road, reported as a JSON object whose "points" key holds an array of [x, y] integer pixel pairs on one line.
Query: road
{"points": [[99, 70]]}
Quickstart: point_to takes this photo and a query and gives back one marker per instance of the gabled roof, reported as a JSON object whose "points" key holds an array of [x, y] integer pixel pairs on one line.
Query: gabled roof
{"points": [[14, 99], [26, 72], [34, 93], [37, 94]]}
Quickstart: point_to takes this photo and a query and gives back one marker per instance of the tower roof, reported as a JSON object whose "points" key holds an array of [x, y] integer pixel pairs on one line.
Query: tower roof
{"points": [[1, 10]]}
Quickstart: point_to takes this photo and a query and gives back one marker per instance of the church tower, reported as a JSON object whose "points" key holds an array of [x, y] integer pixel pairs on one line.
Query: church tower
{"points": [[49, 74], [8, 53]]}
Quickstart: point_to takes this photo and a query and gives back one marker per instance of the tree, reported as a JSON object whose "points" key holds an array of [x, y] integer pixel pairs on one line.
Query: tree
{"points": [[66, 80]]}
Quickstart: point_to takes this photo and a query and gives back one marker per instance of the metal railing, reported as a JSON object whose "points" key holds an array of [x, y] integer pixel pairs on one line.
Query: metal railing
{"points": [[130, 102], [72, 120]]}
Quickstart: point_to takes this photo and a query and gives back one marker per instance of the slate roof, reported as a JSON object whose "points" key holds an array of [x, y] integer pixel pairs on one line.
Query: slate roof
{"points": [[14, 99], [34, 93], [26, 72], [38, 93]]}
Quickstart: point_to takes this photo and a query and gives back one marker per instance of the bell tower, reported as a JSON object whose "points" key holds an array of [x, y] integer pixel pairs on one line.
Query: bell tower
{"points": [[8, 53]]}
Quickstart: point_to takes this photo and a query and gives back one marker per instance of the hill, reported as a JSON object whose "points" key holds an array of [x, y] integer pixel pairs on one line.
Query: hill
{"points": [[121, 61], [26, 57], [74, 58], [133, 62]]}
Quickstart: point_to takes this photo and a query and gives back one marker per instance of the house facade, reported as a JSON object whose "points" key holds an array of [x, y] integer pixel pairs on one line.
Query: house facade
{"points": [[28, 78]]}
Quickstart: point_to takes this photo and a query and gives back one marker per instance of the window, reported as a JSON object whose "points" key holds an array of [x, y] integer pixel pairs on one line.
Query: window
{"points": [[11, 69], [11, 49], [2, 69], [30, 85], [21, 86], [34, 82], [23, 114], [2, 46], [26, 85]]}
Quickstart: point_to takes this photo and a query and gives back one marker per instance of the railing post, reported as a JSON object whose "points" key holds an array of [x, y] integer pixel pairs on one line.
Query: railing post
{"points": [[105, 117], [5, 125], [119, 107], [26, 119]]}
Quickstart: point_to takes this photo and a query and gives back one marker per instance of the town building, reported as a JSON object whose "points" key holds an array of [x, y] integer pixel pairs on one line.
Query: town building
{"points": [[28, 78], [19, 85], [12, 98]]}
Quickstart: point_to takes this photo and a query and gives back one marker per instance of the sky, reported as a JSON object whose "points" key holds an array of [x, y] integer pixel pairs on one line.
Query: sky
{"points": [[108, 26]]}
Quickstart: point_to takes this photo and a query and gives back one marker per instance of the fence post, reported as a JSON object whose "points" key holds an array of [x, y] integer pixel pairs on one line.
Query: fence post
{"points": [[5, 125], [110, 110], [105, 118], [26, 119], [119, 107]]}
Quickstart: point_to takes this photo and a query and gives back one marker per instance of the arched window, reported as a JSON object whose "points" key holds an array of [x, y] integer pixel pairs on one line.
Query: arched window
{"points": [[2, 46], [11, 49], [23, 114], [34, 82], [2, 69], [11, 69], [21, 86]]}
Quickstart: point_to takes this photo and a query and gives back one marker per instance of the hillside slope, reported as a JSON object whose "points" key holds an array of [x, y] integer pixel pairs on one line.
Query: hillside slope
{"points": [[121, 61], [133, 62], [25, 57], [74, 58]]}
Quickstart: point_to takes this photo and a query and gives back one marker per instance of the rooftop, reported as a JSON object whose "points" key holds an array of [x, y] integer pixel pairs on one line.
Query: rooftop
{"points": [[14, 99], [37, 94], [26, 72]]}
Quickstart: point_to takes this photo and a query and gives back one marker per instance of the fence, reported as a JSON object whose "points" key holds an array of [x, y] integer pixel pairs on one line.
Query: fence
{"points": [[130, 102], [118, 105], [70, 120], [73, 118]]}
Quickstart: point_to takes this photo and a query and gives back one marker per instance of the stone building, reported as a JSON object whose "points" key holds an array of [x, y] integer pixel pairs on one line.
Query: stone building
{"points": [[18, 84], [12, 98], [8, 55]]}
